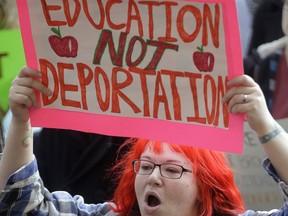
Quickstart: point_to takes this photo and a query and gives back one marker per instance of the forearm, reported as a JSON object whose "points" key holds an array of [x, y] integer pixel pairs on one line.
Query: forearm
{"points": [[259, 119], [18, 150]]}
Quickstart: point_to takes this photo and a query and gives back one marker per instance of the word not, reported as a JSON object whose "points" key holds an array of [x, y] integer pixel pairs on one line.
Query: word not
{"points": [[108, 97], [117, 56], [206, 20]]}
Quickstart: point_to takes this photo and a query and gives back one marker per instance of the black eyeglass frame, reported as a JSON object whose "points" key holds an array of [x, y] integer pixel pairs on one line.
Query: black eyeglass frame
{"points": [[159, 165]]}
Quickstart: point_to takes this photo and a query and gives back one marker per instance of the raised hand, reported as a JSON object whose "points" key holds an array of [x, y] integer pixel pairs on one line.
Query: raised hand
{"points": [[245, 96], [22, 93]]}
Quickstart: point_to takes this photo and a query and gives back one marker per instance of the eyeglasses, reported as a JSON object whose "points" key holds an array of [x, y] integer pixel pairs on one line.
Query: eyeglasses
{"points": [[167, 170]]}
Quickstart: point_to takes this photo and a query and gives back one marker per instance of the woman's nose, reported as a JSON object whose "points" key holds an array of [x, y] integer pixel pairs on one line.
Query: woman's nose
{"points": [[155, 177]]}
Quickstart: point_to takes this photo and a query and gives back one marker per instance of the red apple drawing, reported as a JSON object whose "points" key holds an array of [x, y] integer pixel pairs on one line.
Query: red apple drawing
{"points": [[63, 47], [204, 61]]}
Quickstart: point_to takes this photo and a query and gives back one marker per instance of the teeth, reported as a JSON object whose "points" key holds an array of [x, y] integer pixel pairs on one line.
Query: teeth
{"points": [[153, 201]]}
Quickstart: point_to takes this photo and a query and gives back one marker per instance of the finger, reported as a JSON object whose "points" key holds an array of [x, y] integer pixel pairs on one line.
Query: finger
{"points": [[29, 72], [243, 80], [29, 93], [240, 108], [240, 103], [20, 99], [238, 99], [32, 83], [243, 103], [241, 90]]}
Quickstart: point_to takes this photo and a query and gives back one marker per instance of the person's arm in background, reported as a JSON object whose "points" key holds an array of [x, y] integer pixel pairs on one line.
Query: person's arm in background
{"points": [[262, 52], [260, 120], [267, 49], [18, 149]]}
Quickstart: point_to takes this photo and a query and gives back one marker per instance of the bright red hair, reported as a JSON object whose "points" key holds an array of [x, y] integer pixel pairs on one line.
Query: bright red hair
{"points": [[217, 191]]}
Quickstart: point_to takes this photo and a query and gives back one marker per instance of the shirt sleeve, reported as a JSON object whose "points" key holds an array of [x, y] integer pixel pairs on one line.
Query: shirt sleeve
{"points": [[25, 193], [268, 166]]}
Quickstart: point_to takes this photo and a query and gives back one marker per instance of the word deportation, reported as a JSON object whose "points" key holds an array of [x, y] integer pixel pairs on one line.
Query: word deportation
{"points": [[111, 92]]}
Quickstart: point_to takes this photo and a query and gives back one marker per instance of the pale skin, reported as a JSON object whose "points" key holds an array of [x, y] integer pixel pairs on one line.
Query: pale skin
{"points": [[171, 193], [18, 149]]}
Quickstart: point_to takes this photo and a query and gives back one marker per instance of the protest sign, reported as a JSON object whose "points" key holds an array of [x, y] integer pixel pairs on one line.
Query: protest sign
{"points": [[152, 69], [11, 61]]}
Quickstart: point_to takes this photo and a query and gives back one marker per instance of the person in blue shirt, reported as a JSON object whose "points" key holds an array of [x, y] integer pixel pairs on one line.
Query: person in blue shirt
{"points": [[155, 178]]}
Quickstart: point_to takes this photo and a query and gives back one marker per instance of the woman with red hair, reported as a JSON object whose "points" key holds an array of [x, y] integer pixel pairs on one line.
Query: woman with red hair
{"points": [[155, 178], [212, 189]]}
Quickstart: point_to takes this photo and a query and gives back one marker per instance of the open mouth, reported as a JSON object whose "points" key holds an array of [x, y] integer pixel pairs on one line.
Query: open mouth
{"points": [[153, 201]]}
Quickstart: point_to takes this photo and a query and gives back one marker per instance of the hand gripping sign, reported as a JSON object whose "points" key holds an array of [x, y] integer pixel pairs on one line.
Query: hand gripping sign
{"points": [[152, 69]]}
